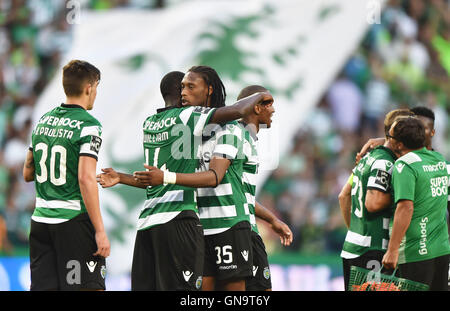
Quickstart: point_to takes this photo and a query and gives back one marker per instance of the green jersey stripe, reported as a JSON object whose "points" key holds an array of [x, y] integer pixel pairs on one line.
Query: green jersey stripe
{"points": [[60, 215]]}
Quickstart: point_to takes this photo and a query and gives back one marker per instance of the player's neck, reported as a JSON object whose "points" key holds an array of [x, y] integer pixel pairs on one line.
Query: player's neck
{"points": [[252, 125], [79, 101]]}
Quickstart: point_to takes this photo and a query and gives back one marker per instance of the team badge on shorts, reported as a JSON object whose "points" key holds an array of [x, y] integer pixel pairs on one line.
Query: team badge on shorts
{"points": [[198, 283], [103, 271], [266, 273]]}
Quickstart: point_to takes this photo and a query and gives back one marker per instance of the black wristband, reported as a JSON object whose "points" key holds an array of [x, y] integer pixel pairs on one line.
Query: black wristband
{"points": [[217, 179]]}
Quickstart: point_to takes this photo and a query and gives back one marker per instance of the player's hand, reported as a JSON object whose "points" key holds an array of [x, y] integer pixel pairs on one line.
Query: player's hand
{"points": [[261, 97], [103, 246], [283, 231], [390, 259], [369, 145], [153, 176], [108, 178]]}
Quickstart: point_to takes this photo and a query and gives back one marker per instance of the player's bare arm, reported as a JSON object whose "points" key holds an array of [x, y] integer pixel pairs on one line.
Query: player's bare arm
{"points": [[276, 224], [402, 220], [211, 178], [377, 200], [369, 145], [345, 203], [241, 108], [28, 167], [111, 177], [89, 192]]}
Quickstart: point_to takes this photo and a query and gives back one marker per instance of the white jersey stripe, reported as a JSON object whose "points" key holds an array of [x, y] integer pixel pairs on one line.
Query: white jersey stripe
{"points": [[220, 190], [156, 219], [169, 196], [48, 220], [69, 204], [90, 131], [249, 178], [358, 239], [217, 211], [348, 255], [227, 150]]}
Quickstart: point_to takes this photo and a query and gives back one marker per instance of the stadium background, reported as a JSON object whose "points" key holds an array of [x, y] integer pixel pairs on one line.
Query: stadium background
{"points": [[335, 68]]}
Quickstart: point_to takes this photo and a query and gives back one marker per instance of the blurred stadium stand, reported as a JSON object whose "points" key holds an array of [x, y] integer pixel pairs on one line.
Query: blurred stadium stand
{"points": [[403, 61]]}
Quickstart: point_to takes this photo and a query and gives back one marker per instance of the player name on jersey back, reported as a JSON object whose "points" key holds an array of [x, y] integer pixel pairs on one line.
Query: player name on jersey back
{"points": [[53, 122]]}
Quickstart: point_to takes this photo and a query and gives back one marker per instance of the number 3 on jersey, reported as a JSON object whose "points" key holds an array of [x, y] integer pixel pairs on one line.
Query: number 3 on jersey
{"points": [[357, 191]]}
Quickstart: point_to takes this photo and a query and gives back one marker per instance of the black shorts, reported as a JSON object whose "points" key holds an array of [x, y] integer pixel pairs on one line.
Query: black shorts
{"points": [[169, 256], [433, 272], [229, 255], [370, 260], [260, 279], [61, 256]]}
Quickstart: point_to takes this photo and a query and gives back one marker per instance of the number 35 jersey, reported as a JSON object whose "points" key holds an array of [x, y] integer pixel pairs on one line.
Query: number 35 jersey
{"points": [[369, 231], [61, 136]]}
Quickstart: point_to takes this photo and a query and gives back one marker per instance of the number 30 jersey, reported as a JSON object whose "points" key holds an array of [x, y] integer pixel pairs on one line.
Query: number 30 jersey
{"points": [[369, 231], [61, 136]]}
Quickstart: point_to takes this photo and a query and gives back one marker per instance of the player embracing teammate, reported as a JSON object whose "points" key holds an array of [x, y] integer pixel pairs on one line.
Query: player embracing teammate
{"points": [[419, 241]]}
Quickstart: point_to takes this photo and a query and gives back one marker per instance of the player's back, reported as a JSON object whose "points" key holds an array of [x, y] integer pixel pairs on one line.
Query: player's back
{"points": [[59, 138], [171, 139], [369, 230]]}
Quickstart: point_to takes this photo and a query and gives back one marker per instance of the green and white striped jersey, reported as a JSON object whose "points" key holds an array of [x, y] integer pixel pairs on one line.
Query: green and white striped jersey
{"points": [[421, 176], [222, 207], [369, 231], [57, 141], [251, 165], [172, 137]]}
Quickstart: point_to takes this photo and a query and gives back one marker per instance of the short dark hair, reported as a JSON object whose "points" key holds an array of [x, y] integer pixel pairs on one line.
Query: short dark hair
{"points": [[250, 90], [410, 131], [212, 79], [75, 74], [391, 117], [170, 87], [423, 112]]}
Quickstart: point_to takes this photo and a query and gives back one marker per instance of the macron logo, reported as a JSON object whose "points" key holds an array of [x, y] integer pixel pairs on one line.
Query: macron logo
{"points": [[187, 275], [400, 167], [245, 254], [255, 269], [91, 265]]}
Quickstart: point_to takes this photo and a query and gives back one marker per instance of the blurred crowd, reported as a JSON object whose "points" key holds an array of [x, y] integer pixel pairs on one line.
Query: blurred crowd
{"points": [[34, 35], [403, 61]]}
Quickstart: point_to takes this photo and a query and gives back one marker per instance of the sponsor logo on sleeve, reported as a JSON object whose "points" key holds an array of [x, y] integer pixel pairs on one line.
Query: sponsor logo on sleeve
{"points": [[96, 142]]}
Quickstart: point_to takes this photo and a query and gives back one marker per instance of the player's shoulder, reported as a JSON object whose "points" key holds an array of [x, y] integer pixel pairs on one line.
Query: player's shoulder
{"points": [[233, 128], [380, 158], [383, 153]]}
